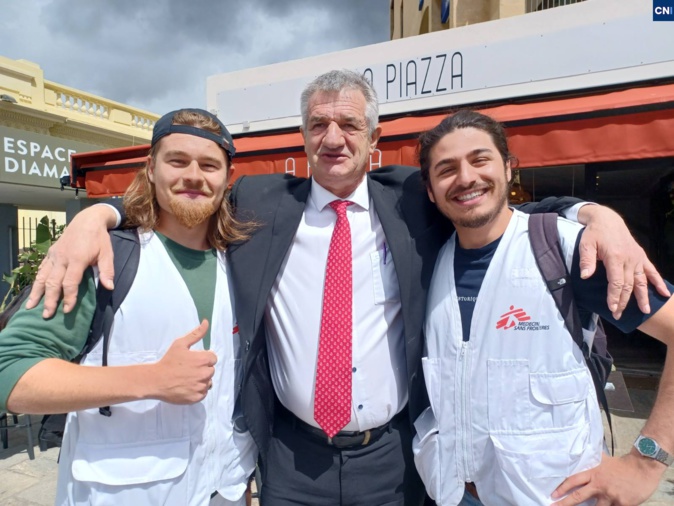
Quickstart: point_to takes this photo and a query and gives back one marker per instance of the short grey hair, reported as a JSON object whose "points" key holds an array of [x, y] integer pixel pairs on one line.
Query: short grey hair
{"points": [[336, 81]]}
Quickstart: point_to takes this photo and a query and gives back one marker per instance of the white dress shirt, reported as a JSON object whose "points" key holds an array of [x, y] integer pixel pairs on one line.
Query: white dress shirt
{"points": [[294, 306]]}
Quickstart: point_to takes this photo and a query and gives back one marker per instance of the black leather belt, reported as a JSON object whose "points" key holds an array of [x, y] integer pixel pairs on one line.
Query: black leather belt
{"points": [[343, 439]]}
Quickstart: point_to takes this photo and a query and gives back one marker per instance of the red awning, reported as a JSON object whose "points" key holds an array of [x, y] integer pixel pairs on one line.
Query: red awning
{"points": [[107, 173], [619, 125]]}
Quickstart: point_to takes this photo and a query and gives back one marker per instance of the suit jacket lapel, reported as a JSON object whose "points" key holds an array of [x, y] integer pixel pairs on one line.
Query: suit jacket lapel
{"points": [[286, 220]]}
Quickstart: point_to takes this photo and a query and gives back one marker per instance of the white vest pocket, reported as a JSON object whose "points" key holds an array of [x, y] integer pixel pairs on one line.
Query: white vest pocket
{"points": [[508, 395], [426, 448], [129, 464], [561, 387], [531, 467], [559, 400], [521, 401], [433, 381]]}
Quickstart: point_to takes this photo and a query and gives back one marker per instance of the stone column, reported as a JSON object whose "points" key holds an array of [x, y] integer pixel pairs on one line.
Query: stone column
{"points": [[74, 206], [469, 12]]}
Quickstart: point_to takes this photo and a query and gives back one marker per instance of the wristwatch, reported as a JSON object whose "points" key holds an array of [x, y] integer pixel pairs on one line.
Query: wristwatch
{"points": [[649, 447]]}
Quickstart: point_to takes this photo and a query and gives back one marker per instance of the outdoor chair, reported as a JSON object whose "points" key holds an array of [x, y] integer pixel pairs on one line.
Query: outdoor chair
{"points": [[6, 425]]}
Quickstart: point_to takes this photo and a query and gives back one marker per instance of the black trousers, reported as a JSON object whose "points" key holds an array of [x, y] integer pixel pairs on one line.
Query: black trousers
{"points": [[302, 470]]}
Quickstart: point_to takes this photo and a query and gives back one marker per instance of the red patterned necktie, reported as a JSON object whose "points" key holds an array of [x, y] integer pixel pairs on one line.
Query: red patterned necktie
{"points": [[332, 398]]}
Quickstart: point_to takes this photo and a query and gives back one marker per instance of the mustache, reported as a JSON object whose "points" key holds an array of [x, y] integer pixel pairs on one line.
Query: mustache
{"points": [[201, 188], [472, 187], [331, 151]]}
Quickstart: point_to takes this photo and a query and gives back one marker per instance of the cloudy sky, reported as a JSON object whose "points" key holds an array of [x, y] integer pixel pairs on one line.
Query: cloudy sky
{"points": [[157, 54]]}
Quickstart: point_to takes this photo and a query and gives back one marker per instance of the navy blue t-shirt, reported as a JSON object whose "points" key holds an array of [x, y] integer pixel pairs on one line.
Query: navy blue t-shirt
{"points": [[470, 267]]}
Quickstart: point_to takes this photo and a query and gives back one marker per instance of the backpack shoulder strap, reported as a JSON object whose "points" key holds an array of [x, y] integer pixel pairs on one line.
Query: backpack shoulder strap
{"points": [[126, 250], [544, 239]]}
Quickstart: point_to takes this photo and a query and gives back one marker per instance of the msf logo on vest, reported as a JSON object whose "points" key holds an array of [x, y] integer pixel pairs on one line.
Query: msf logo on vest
{"points": [[663, 10], [518, 319]]}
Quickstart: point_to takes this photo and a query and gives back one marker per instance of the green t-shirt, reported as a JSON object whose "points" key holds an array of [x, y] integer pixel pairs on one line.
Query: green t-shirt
{"points": [[197, 269]]}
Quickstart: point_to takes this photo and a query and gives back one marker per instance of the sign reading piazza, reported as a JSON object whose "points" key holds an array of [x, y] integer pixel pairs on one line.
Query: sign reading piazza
{"points": [[35, 159]]}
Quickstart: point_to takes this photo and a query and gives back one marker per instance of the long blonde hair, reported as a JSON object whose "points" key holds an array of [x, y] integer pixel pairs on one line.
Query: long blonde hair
{"points": [[142, 208]]}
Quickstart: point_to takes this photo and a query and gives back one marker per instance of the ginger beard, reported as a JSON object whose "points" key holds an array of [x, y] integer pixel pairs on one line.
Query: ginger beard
{"points": [[192, 212]]}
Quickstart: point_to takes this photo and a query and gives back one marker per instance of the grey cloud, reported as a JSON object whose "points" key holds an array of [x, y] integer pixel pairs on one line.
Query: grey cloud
{"points": [[157, 54]]}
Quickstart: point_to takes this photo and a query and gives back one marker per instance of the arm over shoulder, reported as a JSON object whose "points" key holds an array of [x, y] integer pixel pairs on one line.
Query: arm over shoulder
{"points": [[549, 205], [589, 294]]}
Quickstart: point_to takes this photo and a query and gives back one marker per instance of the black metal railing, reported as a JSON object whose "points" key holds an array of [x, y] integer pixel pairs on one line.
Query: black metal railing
{"points": [[539, 5]]}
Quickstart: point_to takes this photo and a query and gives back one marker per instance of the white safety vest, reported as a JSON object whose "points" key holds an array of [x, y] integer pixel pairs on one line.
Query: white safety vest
{"points": [[151, 452], [513, 409]]}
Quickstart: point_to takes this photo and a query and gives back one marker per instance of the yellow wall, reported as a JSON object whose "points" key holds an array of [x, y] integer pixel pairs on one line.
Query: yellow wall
{"points": [[28, 220], [47, 107], [405, 14]]}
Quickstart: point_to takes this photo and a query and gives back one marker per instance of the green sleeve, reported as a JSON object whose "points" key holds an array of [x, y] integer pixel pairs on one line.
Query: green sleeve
{"points": [[29, 339]]}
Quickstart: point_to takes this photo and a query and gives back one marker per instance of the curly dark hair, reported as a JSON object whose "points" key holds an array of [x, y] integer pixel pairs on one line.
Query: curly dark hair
{"points": [[463, 118]]}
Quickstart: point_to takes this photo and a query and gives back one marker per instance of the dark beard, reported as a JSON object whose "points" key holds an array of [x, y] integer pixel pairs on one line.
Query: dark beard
{"points": [[483, 219]]}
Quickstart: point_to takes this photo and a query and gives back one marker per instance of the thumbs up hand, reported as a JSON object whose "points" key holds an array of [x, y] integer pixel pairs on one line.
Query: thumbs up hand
{"points": [[184, 376]]}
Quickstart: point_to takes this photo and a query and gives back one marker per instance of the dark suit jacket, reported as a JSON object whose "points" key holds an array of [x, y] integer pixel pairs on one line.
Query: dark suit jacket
{"points": [[414, 230]]}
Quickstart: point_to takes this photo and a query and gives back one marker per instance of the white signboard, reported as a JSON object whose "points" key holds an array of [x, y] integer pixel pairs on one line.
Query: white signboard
{"points": [[35, 159], [584, 45]]}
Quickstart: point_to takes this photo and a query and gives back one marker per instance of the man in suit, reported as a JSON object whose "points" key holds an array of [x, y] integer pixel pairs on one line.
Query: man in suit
{"points": [[326, 442], [278, 277]]}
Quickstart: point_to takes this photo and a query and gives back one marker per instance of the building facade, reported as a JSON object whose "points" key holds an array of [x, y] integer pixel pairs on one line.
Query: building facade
{"points": [[417, 17]]}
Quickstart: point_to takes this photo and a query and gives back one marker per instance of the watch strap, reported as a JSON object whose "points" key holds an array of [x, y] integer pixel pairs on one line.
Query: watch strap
{"points": [[664, 457]]}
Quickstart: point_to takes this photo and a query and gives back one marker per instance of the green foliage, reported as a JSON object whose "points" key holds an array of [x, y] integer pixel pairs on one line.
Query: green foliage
{"points": [[30, 259]]}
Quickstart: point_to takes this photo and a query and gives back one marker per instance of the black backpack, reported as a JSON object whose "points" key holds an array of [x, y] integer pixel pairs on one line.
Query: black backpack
{"points": [[544, 239], [126, 249]]}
